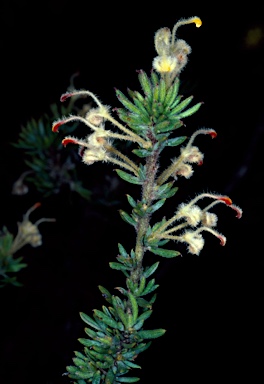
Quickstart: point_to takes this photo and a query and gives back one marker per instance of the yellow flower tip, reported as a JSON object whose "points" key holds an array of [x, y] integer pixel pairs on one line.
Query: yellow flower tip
{"points": [[197, 21]]}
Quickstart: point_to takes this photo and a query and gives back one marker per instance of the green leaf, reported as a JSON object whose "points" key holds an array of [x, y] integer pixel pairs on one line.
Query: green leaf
{"points": [[131, 365], [127, 103], [122, 250], [172, 93], [170, 193], [150, 270], [175, 141], [162, 125], [189, 111], [16, 267], [156, 206], [119, 266], [154, 78], [83, 192], [152, 334], [97, 378], [142, 108], [127, 379], [141, 286], [144, 316], [141, 152], [128, 177], [134, 305], [88, 320], [164, 252], [106, 319], [162, 90], [172, 126], [106, 294], [120, 312], [79, 362], [127, 218], [151, 286], [110, 377], [88, 343], [181, 106], [145, 83], [131, 201], [83, 375]]}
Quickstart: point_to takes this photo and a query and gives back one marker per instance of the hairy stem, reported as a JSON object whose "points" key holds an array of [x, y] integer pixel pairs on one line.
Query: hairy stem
{"points": [[143, 222]]}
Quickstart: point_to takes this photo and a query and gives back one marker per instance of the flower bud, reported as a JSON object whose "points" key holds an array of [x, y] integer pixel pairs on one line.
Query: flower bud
{"points": [[162, 41]]}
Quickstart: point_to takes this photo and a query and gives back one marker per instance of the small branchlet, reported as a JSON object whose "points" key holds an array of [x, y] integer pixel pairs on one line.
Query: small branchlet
{"points": [[28, 233]]}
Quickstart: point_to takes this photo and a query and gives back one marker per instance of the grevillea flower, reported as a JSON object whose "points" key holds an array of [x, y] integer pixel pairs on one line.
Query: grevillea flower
{"points": [[191, 215], [172, 53], [28, 232], [189, 154]]}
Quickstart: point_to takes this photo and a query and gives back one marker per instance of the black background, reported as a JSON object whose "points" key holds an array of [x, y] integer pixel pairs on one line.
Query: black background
{"points": [[211, 305]]}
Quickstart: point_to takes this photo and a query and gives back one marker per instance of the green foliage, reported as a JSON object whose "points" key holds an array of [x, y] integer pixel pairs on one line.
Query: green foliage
{"points": [[50, 168], [8, 264]]}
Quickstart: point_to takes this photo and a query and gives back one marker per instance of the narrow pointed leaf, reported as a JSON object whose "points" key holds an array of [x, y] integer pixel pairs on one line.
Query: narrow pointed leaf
{"points": [[190, 111], [122, 250], [175, 141], [164, 252], [87, 319], [119, 266], [127, 218], [145, 83], [150, 270], [152, 334], [128, 177]]}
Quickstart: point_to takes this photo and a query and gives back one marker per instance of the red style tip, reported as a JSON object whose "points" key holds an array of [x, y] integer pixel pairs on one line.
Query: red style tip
{"points": [[238, 211], [68, 141], [200, 162], [212, 133], [56, 126], [36, 205], [225, 199], [222, 240], [65, 96]]}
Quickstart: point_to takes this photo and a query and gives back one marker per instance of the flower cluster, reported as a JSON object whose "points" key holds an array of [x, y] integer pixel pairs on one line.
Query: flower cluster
{"points": [[172, 53], [198, 219], [28, 232], [181, 166], [97, 146]]}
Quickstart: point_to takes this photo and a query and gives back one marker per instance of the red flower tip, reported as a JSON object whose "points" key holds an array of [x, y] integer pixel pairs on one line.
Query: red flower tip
{"points": [[68, 140], [225, 199], [81, 151], [212, 133], [37, 205], [200, 162], [65, 96], [56, 126], [238, 211], [222, 240]]}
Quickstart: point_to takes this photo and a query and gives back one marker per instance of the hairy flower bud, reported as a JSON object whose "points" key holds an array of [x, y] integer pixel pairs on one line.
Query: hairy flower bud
{"points": [[162, 41]]}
